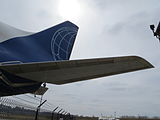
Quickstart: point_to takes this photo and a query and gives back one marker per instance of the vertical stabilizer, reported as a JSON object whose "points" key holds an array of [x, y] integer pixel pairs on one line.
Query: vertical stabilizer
{"points": [[52, 44]]}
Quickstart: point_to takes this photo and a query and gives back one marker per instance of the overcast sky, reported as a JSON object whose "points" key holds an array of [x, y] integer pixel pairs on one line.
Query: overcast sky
{"points": [[107, 28]]}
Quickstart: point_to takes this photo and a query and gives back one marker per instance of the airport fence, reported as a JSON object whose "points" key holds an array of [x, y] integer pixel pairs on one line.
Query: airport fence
{"points": [[13, 109]]}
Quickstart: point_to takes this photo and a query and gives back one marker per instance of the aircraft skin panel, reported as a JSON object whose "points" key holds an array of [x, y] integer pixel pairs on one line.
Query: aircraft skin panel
{"points": [[77, 70]]}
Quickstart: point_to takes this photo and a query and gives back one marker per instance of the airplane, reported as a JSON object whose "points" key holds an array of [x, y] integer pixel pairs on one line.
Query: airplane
{"points": [[27, 60]]}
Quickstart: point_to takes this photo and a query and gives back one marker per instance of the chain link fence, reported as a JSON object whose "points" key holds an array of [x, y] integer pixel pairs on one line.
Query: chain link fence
{"points": [[18, 108]]}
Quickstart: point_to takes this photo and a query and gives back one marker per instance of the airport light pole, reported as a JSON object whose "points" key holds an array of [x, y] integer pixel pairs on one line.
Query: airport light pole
{"points": [[157, 32]]}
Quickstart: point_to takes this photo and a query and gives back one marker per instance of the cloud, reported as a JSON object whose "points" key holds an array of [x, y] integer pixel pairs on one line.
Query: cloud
{"points": [[107, 28], [29, 15]]}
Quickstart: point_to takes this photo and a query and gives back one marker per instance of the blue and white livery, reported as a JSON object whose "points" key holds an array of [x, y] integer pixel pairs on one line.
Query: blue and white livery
{"points": [[29, 59]]}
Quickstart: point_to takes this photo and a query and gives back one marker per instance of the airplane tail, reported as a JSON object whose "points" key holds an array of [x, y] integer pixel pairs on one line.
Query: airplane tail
{"points": [[53, 44]]}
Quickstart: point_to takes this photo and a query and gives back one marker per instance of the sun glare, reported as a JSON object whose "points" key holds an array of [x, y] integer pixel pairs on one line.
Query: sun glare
{"points": [[69, 9]]}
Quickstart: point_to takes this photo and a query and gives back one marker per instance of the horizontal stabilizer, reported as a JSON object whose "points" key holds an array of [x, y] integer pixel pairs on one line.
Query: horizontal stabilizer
{"points": [[62, 72]]}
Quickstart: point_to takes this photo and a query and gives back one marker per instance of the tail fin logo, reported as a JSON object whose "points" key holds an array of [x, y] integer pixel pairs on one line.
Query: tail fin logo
{"points": [[62, 43]]}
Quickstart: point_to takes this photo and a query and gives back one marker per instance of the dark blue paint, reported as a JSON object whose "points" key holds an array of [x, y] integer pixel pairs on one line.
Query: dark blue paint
{"points": [[42, 46], [6, 90]]}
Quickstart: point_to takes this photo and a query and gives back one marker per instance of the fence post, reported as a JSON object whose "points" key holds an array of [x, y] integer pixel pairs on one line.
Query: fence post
{"points": [[38, 109], [53, 112], [58, 115]]}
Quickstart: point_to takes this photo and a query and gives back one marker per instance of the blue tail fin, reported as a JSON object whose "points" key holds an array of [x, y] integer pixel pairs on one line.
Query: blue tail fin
{"points": [[52, 44]]}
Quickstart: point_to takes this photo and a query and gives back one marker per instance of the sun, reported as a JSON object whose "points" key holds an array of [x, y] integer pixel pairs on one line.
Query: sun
{"points": [[69, 9]]}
